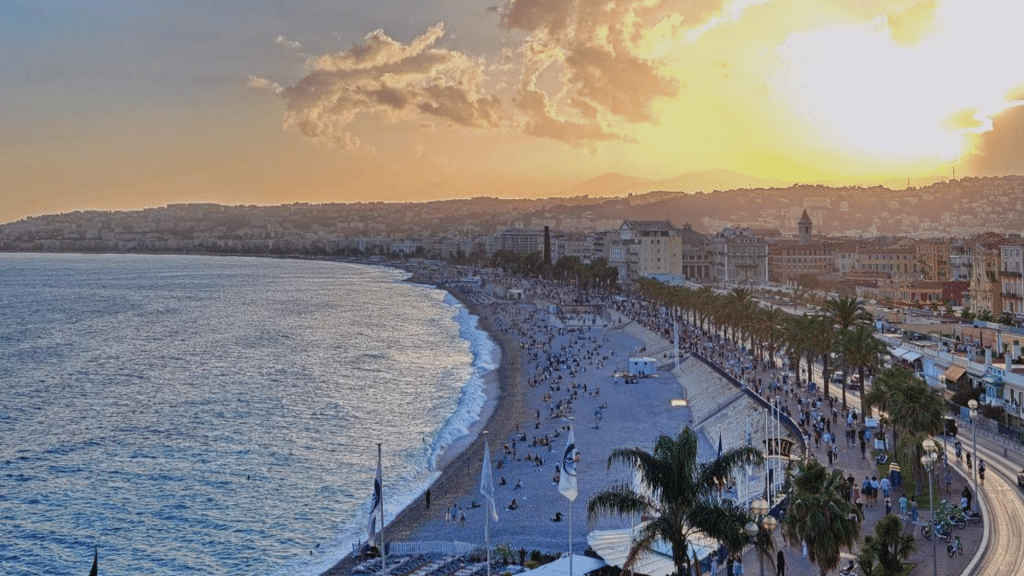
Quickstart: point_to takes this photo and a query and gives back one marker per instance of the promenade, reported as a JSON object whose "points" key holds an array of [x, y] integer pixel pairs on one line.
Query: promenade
{"points": [[555, 368]]}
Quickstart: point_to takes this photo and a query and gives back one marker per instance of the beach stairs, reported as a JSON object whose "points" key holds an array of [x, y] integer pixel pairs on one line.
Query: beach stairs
{"points": [[656, 346], [719, 409]]}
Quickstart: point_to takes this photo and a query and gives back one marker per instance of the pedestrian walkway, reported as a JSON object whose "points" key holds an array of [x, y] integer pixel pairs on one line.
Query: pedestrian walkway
{"points": [[850, 460]]}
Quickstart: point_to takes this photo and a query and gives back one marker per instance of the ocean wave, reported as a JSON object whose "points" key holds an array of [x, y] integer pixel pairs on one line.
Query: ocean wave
{"points": [[473, 396]]}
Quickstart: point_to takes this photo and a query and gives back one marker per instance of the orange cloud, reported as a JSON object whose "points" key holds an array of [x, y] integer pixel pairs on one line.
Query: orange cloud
{"points": [[579, 76]]}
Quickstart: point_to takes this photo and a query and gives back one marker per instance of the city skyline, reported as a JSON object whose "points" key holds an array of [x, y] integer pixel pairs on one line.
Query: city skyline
{"points": [[124, 106]]}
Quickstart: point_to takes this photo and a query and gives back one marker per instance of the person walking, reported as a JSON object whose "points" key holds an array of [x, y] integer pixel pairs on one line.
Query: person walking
{"points": [[780, 564]]}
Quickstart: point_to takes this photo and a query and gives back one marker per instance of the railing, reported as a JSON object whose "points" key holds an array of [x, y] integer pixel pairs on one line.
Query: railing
{"points": [[448, 548]]}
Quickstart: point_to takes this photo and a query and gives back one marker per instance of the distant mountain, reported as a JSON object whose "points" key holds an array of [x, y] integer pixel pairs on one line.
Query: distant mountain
{"points": [[612, 184]]}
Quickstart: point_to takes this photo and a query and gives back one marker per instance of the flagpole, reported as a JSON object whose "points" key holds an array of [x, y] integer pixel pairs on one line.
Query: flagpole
{"points": [[567, 482], [573, 436], [487, 513], [383, 551]]}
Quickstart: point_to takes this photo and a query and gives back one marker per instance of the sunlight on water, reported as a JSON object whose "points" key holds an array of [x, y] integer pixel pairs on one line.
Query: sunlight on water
{"points": [[198, 415]]}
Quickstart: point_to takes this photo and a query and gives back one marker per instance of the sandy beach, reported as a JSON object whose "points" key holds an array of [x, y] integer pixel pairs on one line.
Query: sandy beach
{"points": [[552, 367]]}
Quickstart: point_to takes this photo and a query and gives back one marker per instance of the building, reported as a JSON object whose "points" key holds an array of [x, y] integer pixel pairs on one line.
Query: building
{"points": [[933, 259], [521, 241], [986, 288], [1011, 265], [696, 265], [737, 256], [789, 260]]}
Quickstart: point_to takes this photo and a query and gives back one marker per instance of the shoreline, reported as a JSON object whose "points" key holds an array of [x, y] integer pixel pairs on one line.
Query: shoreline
{"points": [[544, 364], [458, 465]]}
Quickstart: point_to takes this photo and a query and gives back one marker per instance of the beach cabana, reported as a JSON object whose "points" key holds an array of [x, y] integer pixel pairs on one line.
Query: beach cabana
{"points": [[642, 366]]}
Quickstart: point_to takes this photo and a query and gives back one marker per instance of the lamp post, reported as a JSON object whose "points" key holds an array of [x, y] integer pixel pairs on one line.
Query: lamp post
{"points": [[760, 508], [973, 405], [928, 461]]}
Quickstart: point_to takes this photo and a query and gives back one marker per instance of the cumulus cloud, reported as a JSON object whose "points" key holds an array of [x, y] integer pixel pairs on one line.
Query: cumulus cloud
{"points": [[582, 73], [384, 77], [288, 43], [257, 82], [1000, 149]]}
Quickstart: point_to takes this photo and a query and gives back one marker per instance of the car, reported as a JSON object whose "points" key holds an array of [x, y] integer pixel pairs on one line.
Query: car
{"points": [[949, 427], [1020, 478]]}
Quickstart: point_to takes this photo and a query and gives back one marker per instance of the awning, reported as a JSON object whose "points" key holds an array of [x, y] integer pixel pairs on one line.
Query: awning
{"points": [[613, 545], [897, 352], [992, 380], [910, 356], [954, 373]]}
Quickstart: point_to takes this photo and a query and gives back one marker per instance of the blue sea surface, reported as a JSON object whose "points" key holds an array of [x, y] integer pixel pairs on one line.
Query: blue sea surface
{"points": [[218, 415]]}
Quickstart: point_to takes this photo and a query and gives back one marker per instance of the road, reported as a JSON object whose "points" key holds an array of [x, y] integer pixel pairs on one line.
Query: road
{"points": [[1001, 501], [1002, 507]]}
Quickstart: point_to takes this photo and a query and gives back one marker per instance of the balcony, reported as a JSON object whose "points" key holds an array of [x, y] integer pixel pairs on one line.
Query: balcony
{"points": [[1009, 273]]}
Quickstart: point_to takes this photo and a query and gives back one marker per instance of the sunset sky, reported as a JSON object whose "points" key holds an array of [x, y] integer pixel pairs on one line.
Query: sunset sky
{"points": [[128, 104]]}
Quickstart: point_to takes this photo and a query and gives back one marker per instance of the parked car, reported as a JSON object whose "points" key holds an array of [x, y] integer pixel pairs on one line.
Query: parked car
{"points": [[854, 383]]}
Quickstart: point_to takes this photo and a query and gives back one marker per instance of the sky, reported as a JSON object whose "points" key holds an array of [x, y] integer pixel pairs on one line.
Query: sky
{"points": [[126, 104]]}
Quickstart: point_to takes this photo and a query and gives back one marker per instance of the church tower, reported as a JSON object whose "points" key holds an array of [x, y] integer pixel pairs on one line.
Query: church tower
{"points": [[804, 225]]}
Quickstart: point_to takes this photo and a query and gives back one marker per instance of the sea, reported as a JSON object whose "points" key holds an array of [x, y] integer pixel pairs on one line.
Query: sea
{"points": [[207, 415]]}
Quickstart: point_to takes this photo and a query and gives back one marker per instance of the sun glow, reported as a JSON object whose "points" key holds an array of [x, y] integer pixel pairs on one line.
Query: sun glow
{"points": [[879, 90]]}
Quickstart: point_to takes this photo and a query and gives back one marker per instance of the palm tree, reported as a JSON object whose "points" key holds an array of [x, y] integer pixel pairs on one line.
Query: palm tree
{"points": [[846, 312], [819, 515], [890, 546], [860, 351], [735, 307], [704, 301], [910, 404], [823, 340], [680, 496], [798, 341]]}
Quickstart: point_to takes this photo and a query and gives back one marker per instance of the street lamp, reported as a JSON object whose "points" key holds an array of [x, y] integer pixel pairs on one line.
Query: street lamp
{"points": [[760, 508], [973, 405], [928, 461]]}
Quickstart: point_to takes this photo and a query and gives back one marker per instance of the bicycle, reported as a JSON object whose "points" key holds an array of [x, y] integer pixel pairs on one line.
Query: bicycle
{"points": [[957, 547], [939, 528]]}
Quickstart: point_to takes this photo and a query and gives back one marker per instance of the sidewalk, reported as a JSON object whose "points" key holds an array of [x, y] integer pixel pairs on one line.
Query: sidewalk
{"points": [[851, 461]]}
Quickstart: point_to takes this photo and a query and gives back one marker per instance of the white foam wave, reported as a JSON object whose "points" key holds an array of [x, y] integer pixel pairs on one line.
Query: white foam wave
{"points": [[485, 359]]}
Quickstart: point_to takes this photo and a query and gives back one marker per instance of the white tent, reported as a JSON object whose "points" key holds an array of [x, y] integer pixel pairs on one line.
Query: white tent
{"points": [[560, 567], [613, 545]]}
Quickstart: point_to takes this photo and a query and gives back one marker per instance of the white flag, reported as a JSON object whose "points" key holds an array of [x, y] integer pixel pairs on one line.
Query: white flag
{"points": [[567, 482], [486, 483], [375, 504]]}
